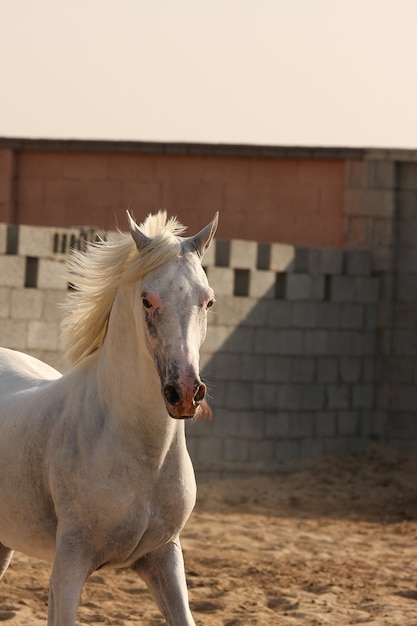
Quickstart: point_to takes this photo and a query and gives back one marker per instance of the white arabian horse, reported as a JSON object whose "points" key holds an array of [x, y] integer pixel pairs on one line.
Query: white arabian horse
{"points": [[94, 469]]}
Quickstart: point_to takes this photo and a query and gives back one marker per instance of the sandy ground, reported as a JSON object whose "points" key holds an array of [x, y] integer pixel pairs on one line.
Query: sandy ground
{"points": [[333, 544]]}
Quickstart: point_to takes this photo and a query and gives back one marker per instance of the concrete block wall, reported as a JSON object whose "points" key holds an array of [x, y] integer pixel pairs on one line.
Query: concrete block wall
{"points": [[397, 362], [289, 354], [291, 370], [33, 285], [309, 350]]}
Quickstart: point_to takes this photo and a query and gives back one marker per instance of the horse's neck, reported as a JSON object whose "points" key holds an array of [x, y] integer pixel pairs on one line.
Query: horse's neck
{"points": [[128, 382]]}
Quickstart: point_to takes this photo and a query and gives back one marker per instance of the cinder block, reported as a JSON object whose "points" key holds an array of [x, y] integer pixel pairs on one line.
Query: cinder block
{"points": [[221, 279], [289, 397], [52, 274], [35, 241], [227, 367], [331, 261], [327, 370], [264, 396], [267, 341], [304, 314], [338, 397], [369, 370], [299, 287], [262, 284], [211, 449], [5, 301], [277, 425], [12, 271], [287, 450], [226, 423], [13, 334], [344, 343], [367, 289], [407, 176], [232, 311], [238, 395], [252, 424], [262, 451], [399, 369], [243, 254], [356, 174], [236, 450], [252, 367], [216, 337], [366, 423], [241, 341], [329, 315], [206, 363], [316, 343], [313, 397], [302, 425], [325, 424], [52, 304], [363, 397], [343, 289], [43, 335], [26, 303], [350, 369], [282, 257], [381, 173], [291, 342], [353, 316], [311, 448], [303, 370], [358, 262], [348, 423], [369, 203], [279, 314], [278, 369], [363, 344], [304, 287]]}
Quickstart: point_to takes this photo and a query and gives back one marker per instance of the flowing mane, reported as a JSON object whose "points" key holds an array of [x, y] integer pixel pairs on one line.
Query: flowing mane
{"points": [[97, 274]]}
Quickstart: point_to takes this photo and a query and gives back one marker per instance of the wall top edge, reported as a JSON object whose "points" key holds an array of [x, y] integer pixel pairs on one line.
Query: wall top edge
{"points": [[186, 148]]}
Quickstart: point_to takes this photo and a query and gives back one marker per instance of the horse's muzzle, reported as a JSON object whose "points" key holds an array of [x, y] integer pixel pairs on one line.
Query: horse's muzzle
{"points": [[183, 404]]}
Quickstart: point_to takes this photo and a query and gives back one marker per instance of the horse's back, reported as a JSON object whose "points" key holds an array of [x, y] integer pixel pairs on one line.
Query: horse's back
{"points": [[19, 371]]}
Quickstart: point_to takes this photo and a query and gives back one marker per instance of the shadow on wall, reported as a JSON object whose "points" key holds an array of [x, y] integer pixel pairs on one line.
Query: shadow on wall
{"points": [[289, 356]]}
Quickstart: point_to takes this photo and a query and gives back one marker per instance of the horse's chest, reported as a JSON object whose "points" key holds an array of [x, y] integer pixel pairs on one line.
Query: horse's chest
{"points": [[157, 518]]}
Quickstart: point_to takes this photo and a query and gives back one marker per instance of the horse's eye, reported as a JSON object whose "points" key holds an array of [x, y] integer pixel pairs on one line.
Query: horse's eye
{"points": [[146, 303], [210, 303]]}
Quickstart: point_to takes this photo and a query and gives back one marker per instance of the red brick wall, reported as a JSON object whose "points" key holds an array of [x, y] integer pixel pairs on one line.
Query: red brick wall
{"points": [[290, 200]]}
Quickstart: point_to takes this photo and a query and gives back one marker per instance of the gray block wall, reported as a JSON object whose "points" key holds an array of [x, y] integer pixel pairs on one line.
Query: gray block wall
{"points": [[309, 351], [289, 355]]}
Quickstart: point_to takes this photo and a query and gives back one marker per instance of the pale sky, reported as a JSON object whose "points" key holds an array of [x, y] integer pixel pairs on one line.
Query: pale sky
{"points": [[280, 72]]}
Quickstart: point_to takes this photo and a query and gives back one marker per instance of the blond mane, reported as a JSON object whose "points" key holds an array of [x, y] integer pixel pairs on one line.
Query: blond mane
{"points": [[97, 274]]}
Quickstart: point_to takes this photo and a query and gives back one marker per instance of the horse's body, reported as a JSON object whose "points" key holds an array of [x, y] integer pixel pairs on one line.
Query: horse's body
{"points": [[94, 469]]}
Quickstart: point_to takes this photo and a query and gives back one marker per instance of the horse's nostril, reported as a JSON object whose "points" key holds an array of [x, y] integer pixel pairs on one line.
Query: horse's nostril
{"points": [[172, 394], [200, 393]]}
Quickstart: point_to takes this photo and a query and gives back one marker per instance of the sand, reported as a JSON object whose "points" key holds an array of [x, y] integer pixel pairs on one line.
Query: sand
{"points": [[335, 543]]}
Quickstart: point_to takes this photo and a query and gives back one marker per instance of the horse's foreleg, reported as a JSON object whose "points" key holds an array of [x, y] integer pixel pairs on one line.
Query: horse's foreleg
{"points": [[5, 558], [163, 572], [69, 573]]}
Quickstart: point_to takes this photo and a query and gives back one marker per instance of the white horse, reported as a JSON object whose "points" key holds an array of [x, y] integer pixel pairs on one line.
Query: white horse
{"points": [[94, 469]]}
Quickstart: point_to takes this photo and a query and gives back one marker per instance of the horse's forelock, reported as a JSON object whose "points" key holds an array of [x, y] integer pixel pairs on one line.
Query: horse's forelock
{"points": [[106, 265], [157, 223]]}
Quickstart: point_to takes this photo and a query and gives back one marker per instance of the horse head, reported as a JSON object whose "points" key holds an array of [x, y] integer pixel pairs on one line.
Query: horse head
{"points": [[174, 299]]}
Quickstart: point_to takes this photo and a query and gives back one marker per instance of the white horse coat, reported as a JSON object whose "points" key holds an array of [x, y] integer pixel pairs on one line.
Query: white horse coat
{"points": [[94, 469]]}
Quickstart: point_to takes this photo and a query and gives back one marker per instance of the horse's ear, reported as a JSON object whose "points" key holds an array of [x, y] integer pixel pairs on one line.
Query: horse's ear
{"points": [[202, 240], [139, 238]]}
